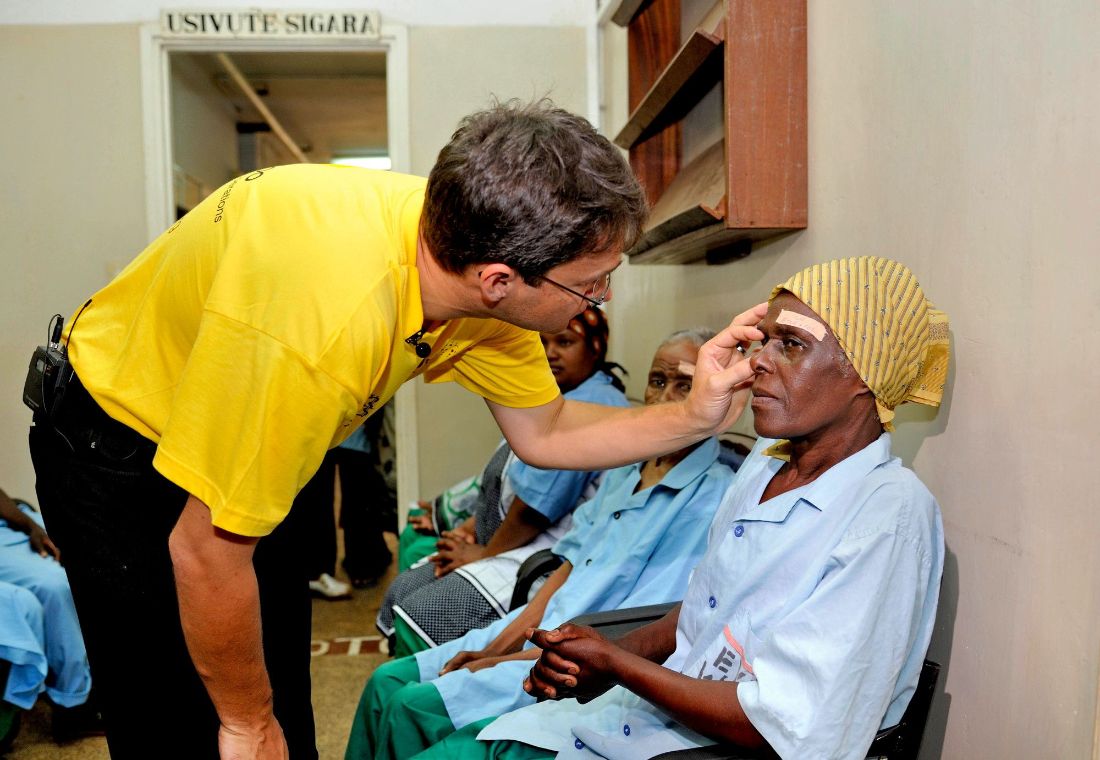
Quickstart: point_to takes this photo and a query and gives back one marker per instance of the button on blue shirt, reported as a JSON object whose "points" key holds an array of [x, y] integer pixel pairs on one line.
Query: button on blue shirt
{"points": [[842, 574]]}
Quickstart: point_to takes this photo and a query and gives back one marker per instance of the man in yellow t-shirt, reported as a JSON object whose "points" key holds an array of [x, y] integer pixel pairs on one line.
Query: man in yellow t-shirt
{"points": [[212, 375]]}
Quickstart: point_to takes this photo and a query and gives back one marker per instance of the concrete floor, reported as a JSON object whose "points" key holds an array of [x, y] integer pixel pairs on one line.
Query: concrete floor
{"points": [[345, 654]]}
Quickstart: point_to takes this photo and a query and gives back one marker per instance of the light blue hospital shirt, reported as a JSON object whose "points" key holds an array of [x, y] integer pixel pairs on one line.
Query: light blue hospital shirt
{"points": [[819, 602], [357, 441], [555, 493], [627, 549]]}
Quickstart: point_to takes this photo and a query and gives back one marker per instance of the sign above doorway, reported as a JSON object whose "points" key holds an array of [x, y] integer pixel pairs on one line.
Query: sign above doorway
{"points": [[257, 23]]}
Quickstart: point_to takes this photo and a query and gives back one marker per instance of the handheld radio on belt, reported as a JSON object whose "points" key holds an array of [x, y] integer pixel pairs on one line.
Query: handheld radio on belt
{"points": [[50, 371]]}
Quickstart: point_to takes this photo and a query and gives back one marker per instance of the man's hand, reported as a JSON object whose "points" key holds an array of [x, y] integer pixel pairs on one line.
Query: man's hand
{"points": [[454, 552], [264, 742], [576, 661], [719, 388]]}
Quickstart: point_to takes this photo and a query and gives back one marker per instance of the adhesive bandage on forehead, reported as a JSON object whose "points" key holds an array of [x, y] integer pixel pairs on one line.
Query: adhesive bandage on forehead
{"points": [[686, 368], [801, 321]]}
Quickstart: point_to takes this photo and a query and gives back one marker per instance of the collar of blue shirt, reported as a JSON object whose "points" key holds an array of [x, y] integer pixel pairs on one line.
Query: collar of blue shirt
{"points": [[827, 488], [691, 466]]}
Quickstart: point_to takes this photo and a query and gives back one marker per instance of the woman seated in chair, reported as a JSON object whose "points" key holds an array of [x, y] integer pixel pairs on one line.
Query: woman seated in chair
{"points": [[805, 625], [520, 510], [633, 544]]}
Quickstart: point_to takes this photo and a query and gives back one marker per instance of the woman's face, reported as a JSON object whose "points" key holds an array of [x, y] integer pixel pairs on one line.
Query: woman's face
{"points": [[804, 384], [671, 371], [571, 360]]}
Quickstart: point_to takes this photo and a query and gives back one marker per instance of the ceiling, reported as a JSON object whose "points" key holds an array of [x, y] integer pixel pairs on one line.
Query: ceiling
{"points": [[331, 104]]}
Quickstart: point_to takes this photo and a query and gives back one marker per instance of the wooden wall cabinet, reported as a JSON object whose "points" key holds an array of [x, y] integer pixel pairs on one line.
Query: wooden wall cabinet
{"points": [[751, 184]]}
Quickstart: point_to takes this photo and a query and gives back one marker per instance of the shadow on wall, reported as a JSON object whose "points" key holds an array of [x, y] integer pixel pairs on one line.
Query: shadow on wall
{"points": [[916, 423], [939, 651]]}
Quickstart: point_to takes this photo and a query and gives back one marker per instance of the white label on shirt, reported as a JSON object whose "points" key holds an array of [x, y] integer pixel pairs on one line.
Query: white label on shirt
{"points": [[724, 660]]}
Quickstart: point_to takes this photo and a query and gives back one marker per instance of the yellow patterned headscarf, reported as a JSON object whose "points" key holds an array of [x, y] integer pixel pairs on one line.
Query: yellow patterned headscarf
{"points": [[895, 338]]}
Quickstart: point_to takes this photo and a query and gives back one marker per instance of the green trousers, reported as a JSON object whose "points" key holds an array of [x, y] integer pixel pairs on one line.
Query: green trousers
{"points": [[397, 715], [463, 745], [413, 547], [406, 641]]}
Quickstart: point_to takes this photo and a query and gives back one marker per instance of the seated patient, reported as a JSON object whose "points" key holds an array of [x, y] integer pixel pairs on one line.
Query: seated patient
{"points": [[634, 543], [39, 633], [521, 509], [806, 623]]}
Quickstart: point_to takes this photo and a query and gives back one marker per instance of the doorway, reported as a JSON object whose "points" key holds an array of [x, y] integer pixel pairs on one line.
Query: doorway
{"points": [[323, 107]]}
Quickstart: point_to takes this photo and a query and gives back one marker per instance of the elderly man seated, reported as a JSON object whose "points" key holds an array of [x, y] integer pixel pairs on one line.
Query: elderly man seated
{"points": [[633, 544], [805, 625]]}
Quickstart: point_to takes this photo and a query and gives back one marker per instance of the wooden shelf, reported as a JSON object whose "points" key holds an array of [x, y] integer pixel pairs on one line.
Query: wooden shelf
{"points": [[695, 69], [688, 223], [626, 11], [693, 200], [749, 186]]}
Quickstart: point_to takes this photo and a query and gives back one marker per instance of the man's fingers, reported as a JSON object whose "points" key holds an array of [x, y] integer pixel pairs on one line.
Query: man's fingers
{"points": [[735, 377], [742, 329]]}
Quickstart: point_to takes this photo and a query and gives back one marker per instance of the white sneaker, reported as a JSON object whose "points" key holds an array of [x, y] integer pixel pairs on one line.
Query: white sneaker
{"points": [[329, 587]]}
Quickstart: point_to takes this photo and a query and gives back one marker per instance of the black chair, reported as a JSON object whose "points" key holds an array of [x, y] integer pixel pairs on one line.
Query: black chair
{"points": [[900, 742], [538, 565]]}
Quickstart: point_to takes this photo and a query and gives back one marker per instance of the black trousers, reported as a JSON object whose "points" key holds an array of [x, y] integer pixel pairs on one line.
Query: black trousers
{"points": [[110, 513], [363, 494]]}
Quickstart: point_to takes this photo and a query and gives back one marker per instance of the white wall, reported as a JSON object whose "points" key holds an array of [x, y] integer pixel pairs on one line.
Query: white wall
{"points": [[964, 140], [204, 125], [72, 203], [444, 87]]}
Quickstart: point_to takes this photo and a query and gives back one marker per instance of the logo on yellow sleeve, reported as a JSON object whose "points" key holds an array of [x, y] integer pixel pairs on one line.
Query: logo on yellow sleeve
{"points": [[372, 401]]}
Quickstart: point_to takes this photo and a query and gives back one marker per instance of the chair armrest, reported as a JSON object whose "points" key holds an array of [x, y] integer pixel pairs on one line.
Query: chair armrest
{"points": [[902, 742], [615, 623], [542, 562]]}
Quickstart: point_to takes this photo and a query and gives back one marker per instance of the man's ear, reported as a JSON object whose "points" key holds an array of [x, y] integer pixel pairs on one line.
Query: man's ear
{"points": [[496, 281]]}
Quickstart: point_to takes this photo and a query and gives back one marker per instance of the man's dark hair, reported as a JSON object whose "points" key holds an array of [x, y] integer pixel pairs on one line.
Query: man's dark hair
{"points": [[530, 186]]}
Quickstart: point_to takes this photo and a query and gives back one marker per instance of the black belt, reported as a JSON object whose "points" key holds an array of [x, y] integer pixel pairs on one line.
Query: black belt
{"points": [[80, 414]]}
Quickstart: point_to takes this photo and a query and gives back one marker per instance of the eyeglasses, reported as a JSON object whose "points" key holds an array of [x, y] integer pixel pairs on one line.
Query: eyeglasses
{"points": [[596, 293]]}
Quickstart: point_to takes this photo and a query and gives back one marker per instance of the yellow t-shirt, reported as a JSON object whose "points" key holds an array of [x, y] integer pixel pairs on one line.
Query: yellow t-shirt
{"points": [[263, 327]]}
